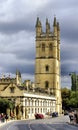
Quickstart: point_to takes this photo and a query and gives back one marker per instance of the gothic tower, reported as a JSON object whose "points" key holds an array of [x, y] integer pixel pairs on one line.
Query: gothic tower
{"points": [[47, 66]]}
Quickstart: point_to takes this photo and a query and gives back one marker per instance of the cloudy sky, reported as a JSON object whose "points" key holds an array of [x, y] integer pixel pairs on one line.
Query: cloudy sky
{"points": [[17, 35]]}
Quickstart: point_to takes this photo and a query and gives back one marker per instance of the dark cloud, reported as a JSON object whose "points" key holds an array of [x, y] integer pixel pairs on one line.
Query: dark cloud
{"points": [[14, 27], [66, 69], [69, 54], [69, 30], [17, 33], [27, 69]]}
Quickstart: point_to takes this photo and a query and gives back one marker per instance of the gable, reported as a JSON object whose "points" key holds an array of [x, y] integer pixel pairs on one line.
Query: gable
{"points": [[11, 90]]}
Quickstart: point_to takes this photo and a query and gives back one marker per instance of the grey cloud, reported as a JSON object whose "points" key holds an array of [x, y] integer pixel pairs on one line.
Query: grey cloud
{"points": [[13, 27], [29, 54], [10, 64], [27, 69], [69, 59], [69, 30], [17, 34], [69, 52], [62, 4], [69, 66]]}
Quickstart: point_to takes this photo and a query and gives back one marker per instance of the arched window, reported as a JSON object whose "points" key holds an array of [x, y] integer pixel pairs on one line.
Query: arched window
{"points": [[50, 50], [46, 84], [50, 47]]}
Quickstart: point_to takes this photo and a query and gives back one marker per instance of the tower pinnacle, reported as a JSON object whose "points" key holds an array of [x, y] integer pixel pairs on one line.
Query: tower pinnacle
{"points": [[47, 26], [55, 27], [38, 27]]}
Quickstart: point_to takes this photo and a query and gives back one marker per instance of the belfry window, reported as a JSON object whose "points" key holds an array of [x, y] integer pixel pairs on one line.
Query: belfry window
{"points": [[43, 47], [50, 47], [47, 68]]}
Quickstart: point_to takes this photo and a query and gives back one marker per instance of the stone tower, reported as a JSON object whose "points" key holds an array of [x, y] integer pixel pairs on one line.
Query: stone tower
{"points": [[47, 66]]}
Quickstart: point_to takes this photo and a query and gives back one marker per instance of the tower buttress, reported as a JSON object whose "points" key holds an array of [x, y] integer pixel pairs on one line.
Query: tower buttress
{"points": [[58, 32], [58, 41]]}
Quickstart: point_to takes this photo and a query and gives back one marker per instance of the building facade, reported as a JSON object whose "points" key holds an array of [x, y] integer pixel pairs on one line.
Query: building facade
{"points": [[6, 80], [47, 66], [26, 101], [37, 103]]}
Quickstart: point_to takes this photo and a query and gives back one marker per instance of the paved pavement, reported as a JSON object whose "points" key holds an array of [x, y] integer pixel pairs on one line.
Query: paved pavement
{"points": [[60, 118], [3, 123]]}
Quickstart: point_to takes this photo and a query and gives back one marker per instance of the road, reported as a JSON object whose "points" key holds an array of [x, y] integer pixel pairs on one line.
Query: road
{"points": [[58, 123]]}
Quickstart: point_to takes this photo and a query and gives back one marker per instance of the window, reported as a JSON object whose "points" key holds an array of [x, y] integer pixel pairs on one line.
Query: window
{"points": [[29, 110], [35, 103], [46, 84], [50, 47], [35, 110], [41, 103], [38, 103], [29, 102], [43, 47], [32, 102], [32, 110], [41, 110], [25, 102], [12, 89], [47, 68], [38, 110]]}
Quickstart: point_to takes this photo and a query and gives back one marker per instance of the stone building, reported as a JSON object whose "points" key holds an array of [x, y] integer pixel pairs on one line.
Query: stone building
{"points": [[27, 100], [47, 66], [6, 80]]}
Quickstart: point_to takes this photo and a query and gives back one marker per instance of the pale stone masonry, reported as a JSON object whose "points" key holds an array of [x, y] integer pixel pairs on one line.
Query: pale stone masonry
{"points": [[47, 66], [27, 102], [37, 103]]}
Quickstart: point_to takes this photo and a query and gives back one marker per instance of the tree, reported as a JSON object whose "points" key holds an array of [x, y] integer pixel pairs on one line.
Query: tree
{"points": [[65, 92], [5, 104], [69, 98], [73, 101]]}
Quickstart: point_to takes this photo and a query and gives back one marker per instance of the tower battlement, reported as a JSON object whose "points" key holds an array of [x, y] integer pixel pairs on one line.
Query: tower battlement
{"points": [[48, 33]]}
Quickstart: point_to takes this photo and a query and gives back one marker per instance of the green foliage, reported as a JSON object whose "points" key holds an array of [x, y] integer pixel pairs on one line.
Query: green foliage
{"points": [[65, 93], [5, 104], [73, 101], [69, 98]]}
